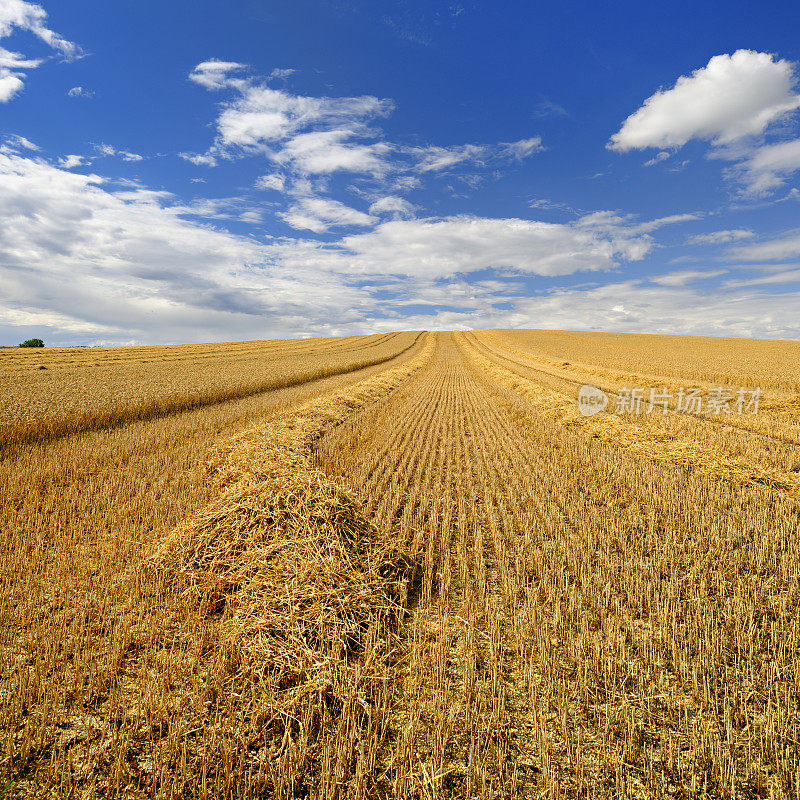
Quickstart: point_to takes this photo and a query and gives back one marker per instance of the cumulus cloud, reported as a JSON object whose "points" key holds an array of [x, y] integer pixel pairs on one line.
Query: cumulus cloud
{"points": [[263, 115], [441, 248], [732, 97], [733, 103], [22, 15], [81, 254], [11, 82], [325, 152], [122, 265]]}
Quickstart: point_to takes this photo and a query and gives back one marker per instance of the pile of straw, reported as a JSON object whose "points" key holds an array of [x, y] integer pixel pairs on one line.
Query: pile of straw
{"points": [[301, 590]]}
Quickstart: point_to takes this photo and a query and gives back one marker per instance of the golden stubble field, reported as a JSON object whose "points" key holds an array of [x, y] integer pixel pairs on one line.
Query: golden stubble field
{"points": [[399, 566]]}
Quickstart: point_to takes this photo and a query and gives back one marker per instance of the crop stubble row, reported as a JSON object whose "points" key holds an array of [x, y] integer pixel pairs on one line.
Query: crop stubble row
{"points": [[588, 619]]}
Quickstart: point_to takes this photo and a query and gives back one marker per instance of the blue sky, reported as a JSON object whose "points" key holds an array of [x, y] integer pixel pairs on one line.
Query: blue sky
{"points": [[180, 171]]}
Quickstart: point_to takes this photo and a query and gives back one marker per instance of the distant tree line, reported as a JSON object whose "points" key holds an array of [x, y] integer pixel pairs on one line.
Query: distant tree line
{"points": [[32, 343]]}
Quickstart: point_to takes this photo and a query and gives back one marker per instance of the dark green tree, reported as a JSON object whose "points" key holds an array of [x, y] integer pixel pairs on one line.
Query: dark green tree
{"points": [[32, 343]]}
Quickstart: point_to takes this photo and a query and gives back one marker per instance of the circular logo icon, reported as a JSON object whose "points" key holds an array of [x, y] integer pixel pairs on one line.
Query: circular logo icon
{"points": [[591, 400]]}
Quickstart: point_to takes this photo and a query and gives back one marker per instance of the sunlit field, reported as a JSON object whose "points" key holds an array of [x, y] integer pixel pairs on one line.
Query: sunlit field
{"points": [[408, 565]]}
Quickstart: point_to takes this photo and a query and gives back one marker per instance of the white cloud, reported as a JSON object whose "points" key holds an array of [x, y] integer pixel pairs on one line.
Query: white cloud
{"points": [[610, 221], [323, 135], [124, 265], [10, 86], [89, 259], [672, 219], [273, 182], [11, 83], [12, 61], [395, 207], [31, 17], [70, 162], [440, 248], [769, 166], [325, 152], [263, 115], [785, 276], [318, 214], [22, 15], [434, 159], [17, 142], [546, 204], [199, 159], [79, 91], [214, 74], [682, 277], [720, 237], [547, 108], [110, 150], [252, 217], [523, 148], [774, 250], [634, 307], [734, 96], [657, 159]]}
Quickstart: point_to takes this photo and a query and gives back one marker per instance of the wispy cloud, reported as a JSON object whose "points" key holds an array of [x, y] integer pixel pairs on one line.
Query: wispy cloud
{"points": [[22, 15], [720, 237], [319, 214], [110, 150], [779, 249], [685, 276], [306, 135]]}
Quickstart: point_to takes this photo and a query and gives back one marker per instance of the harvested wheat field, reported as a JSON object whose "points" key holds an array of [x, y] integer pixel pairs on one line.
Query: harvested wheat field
{"points": [[401, 566]]}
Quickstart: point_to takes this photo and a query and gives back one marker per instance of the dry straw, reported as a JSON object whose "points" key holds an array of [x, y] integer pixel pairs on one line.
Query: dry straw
{"points": [[302, 587]]}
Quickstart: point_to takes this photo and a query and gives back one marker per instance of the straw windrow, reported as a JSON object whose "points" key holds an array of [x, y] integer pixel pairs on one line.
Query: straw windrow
{"points": [[300, 588]]}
